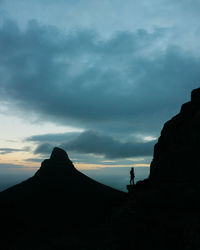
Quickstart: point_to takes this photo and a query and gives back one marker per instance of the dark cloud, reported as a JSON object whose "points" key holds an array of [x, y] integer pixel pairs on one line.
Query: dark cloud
{"points": [[4, 151], [123, 85], [90, 142], [44, 148], [53, 138], [34, 160]]}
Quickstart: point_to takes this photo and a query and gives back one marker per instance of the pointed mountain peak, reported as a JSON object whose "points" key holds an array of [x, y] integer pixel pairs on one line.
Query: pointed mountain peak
{"points": [[57, 166], [59, 154]]}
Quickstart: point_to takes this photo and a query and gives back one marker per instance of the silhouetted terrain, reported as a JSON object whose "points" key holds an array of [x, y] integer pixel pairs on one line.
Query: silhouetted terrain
{"points": [[176, 155], [57, 199], [115, 177], [163, 212], [61, 208]]}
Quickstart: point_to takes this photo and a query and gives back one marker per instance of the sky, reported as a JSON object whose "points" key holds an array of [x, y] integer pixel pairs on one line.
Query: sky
{"points": [[96, 78]]}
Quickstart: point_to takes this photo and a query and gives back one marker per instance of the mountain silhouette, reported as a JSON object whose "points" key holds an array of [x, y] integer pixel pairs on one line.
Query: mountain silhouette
{"points": [[57, 178], [59, 174], [176, 155], [58, 198]]}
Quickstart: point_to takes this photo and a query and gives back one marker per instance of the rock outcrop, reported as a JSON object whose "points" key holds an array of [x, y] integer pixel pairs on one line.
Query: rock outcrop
{"points": [[177, 153]]}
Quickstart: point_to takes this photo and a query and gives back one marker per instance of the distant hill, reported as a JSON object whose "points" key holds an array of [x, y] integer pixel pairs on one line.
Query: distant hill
{"points": [[58, 197]]}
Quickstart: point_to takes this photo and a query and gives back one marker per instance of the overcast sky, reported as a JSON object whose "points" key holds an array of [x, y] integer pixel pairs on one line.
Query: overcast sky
{"points": [[97, 78]]}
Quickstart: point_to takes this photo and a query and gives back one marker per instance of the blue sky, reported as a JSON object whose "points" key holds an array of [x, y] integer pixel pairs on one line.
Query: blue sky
{"points": [[97, 78]]}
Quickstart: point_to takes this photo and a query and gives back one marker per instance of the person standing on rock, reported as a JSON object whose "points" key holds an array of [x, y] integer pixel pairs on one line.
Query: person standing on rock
{"points": [[132, 176]]}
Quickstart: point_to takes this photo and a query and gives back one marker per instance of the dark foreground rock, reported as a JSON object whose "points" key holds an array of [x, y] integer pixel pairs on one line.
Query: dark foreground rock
{"points": [[176, 155]]}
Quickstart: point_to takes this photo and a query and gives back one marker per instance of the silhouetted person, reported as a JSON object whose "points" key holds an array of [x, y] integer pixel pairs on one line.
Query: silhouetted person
{"points": [[132, 175]]}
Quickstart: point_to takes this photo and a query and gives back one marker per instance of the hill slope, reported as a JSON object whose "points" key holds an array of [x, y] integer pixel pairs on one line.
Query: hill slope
{"points": [[57, 199]]}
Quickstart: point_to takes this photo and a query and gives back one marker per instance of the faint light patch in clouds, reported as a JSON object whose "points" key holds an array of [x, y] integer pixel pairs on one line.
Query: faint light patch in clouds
{"points": [[149, 138], [136, 159]]}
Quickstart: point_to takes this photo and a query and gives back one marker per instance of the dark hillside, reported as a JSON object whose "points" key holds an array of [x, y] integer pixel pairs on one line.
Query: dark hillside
{"points": [[57, 199]]}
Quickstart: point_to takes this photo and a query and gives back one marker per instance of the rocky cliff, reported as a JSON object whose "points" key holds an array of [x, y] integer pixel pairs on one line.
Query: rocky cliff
{"points": [[177, 153]]}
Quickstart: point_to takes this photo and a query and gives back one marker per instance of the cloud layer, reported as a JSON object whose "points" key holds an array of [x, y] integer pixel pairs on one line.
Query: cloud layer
{"points": [[118, 87], [4, 151], [125, 84], [91, 142]]}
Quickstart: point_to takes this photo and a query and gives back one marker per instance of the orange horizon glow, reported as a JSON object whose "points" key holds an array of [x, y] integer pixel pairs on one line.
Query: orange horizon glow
{"points": [[20, 159], [80, 166]]}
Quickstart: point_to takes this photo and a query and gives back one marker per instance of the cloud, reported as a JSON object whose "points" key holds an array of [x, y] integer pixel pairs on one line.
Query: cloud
{"points": [[4, 151], [90, 142], [129, 83], [44, 148], [110, 16], [116, 71], [34, 160], [53, 138]]}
